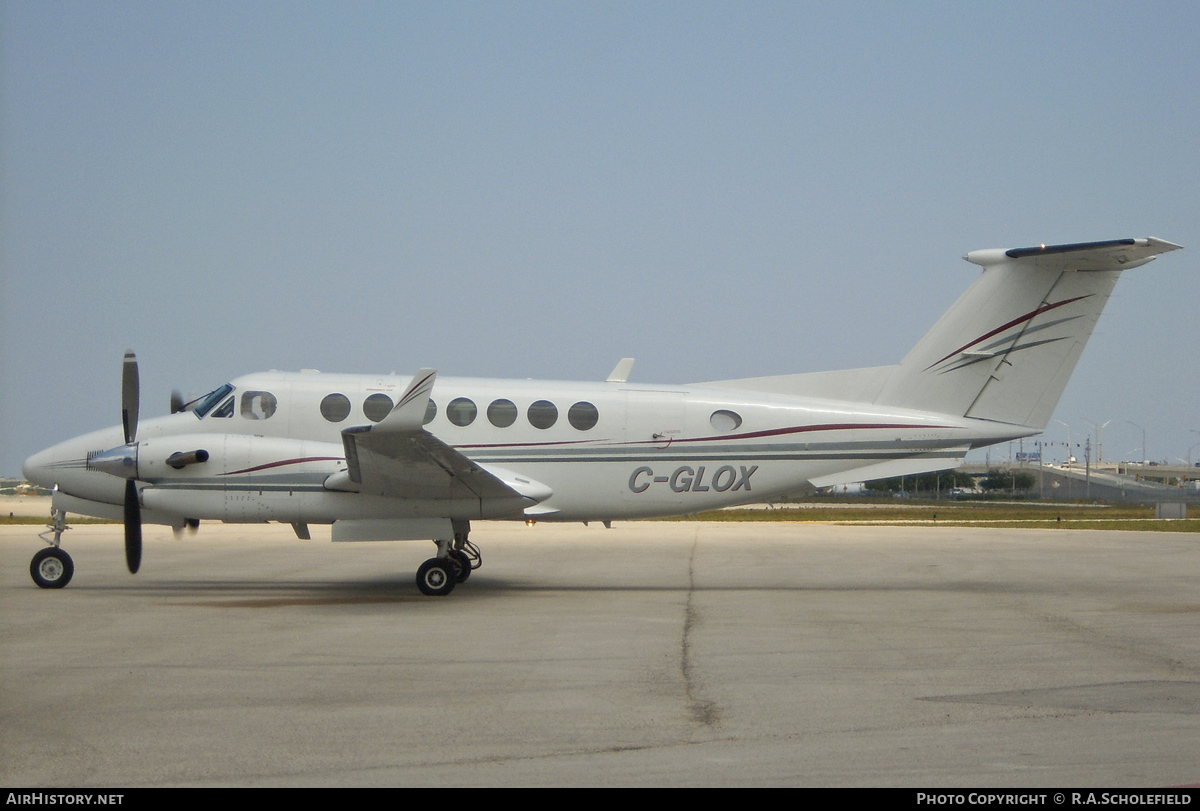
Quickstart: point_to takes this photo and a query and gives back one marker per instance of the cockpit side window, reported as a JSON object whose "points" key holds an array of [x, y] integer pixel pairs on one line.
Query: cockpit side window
{"points": [[258, 405], [225, 410], [209, 400]]}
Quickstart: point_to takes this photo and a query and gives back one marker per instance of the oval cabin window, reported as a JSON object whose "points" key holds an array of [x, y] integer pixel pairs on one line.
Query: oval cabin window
{"points": [[335, 407], [502, 413], [542, 414], [583, 416], [725, 421], [377, 406], [461, 411]]}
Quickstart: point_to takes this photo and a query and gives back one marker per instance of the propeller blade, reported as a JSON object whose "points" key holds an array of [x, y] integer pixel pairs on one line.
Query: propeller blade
{"points": [[129, 396], [133, 527], [176, 401]]}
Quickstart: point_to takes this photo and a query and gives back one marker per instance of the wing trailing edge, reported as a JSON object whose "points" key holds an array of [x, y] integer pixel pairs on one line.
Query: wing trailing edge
{"points": [[398, 458]]}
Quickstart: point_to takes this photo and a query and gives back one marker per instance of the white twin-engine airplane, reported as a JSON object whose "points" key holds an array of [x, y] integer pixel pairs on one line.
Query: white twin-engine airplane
{"points": [[388, 458]]}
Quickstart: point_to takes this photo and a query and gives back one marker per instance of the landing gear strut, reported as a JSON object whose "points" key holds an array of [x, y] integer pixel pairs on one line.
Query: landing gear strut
{"points": [[454, 563], [52, 568]]}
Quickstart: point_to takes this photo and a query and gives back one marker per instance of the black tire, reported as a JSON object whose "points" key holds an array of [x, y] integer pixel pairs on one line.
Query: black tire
{"points": [[462, 564], [436, 577], [51, 568]]}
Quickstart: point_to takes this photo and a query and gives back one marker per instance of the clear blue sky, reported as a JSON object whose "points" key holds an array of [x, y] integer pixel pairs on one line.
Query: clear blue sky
{"points": [[538, 189]]}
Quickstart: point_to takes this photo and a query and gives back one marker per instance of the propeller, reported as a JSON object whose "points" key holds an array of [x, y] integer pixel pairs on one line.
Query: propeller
{"points": [[133, 527], [129, 420], [129, 396], [177, 403]]}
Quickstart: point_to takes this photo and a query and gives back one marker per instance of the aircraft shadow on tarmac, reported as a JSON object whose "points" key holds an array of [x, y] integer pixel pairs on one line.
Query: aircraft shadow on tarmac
{"points": [[277, 593]]}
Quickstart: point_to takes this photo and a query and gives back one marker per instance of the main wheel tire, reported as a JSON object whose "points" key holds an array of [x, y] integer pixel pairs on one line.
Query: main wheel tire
{"points": [[51, 568], [460, 560], [436, 577]]}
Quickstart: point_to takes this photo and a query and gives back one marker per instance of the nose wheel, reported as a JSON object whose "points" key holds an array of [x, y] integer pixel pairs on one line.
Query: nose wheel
{"points": [[51, 568]]}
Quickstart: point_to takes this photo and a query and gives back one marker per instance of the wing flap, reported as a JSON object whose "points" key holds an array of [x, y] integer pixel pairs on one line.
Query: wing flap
{"points": [[403, 464]]}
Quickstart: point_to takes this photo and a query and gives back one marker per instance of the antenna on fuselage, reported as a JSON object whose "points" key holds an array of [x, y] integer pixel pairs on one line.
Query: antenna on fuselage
{"points": [[620, 372]]}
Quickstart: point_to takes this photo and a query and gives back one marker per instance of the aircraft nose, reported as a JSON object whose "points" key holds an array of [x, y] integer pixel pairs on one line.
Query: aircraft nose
{"points": [[66, 465], [57, 465], [36, 469]]}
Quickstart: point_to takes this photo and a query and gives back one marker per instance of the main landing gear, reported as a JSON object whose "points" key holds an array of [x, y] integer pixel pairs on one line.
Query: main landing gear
{"points": [[454, 563], [52, 568]]}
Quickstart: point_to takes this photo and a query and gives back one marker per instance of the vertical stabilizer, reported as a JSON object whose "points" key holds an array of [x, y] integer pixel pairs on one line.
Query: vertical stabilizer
{"points": [[1007, 347]]}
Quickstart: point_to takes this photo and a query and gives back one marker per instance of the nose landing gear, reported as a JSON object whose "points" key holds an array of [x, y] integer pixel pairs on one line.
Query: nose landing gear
{"points": [[52, 568]]}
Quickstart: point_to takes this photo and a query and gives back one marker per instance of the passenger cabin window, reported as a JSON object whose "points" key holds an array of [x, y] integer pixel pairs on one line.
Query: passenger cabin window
{"points": [[258, 405], [377, 406], [725, 421], [583, 416], [502, 413], [209, 400], [335, 407], [461, 411], [542, 414], [430, 412]]}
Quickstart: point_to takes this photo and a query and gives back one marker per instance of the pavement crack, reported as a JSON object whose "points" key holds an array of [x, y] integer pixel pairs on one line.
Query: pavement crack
{"points": [[702, 711]]}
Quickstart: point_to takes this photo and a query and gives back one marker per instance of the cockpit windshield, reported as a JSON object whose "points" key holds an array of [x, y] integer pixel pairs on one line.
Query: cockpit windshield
{"points": [[205, 404]]}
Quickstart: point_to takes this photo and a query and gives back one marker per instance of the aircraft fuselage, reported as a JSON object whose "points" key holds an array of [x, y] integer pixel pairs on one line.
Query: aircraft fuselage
{"points": [[604, 450]]}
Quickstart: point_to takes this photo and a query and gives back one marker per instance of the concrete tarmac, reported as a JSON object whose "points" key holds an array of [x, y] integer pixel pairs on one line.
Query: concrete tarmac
{"points": [[692, 654]]}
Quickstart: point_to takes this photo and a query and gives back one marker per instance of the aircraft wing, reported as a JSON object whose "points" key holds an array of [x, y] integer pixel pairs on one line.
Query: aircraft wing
{"points": [[415, 464], [398, 458]]}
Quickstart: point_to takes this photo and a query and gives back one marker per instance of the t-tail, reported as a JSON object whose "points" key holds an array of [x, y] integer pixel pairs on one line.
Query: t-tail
{"points": [[1005, 350]]}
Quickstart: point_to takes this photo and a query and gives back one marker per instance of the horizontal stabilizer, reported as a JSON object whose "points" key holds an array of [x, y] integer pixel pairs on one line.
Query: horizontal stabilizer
{"points": [[1112, 254], [894, 467]]}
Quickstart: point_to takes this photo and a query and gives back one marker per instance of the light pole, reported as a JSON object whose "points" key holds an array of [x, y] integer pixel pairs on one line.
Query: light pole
{"points": [[1143, 430], [1099, 429], [1064, 425]]}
